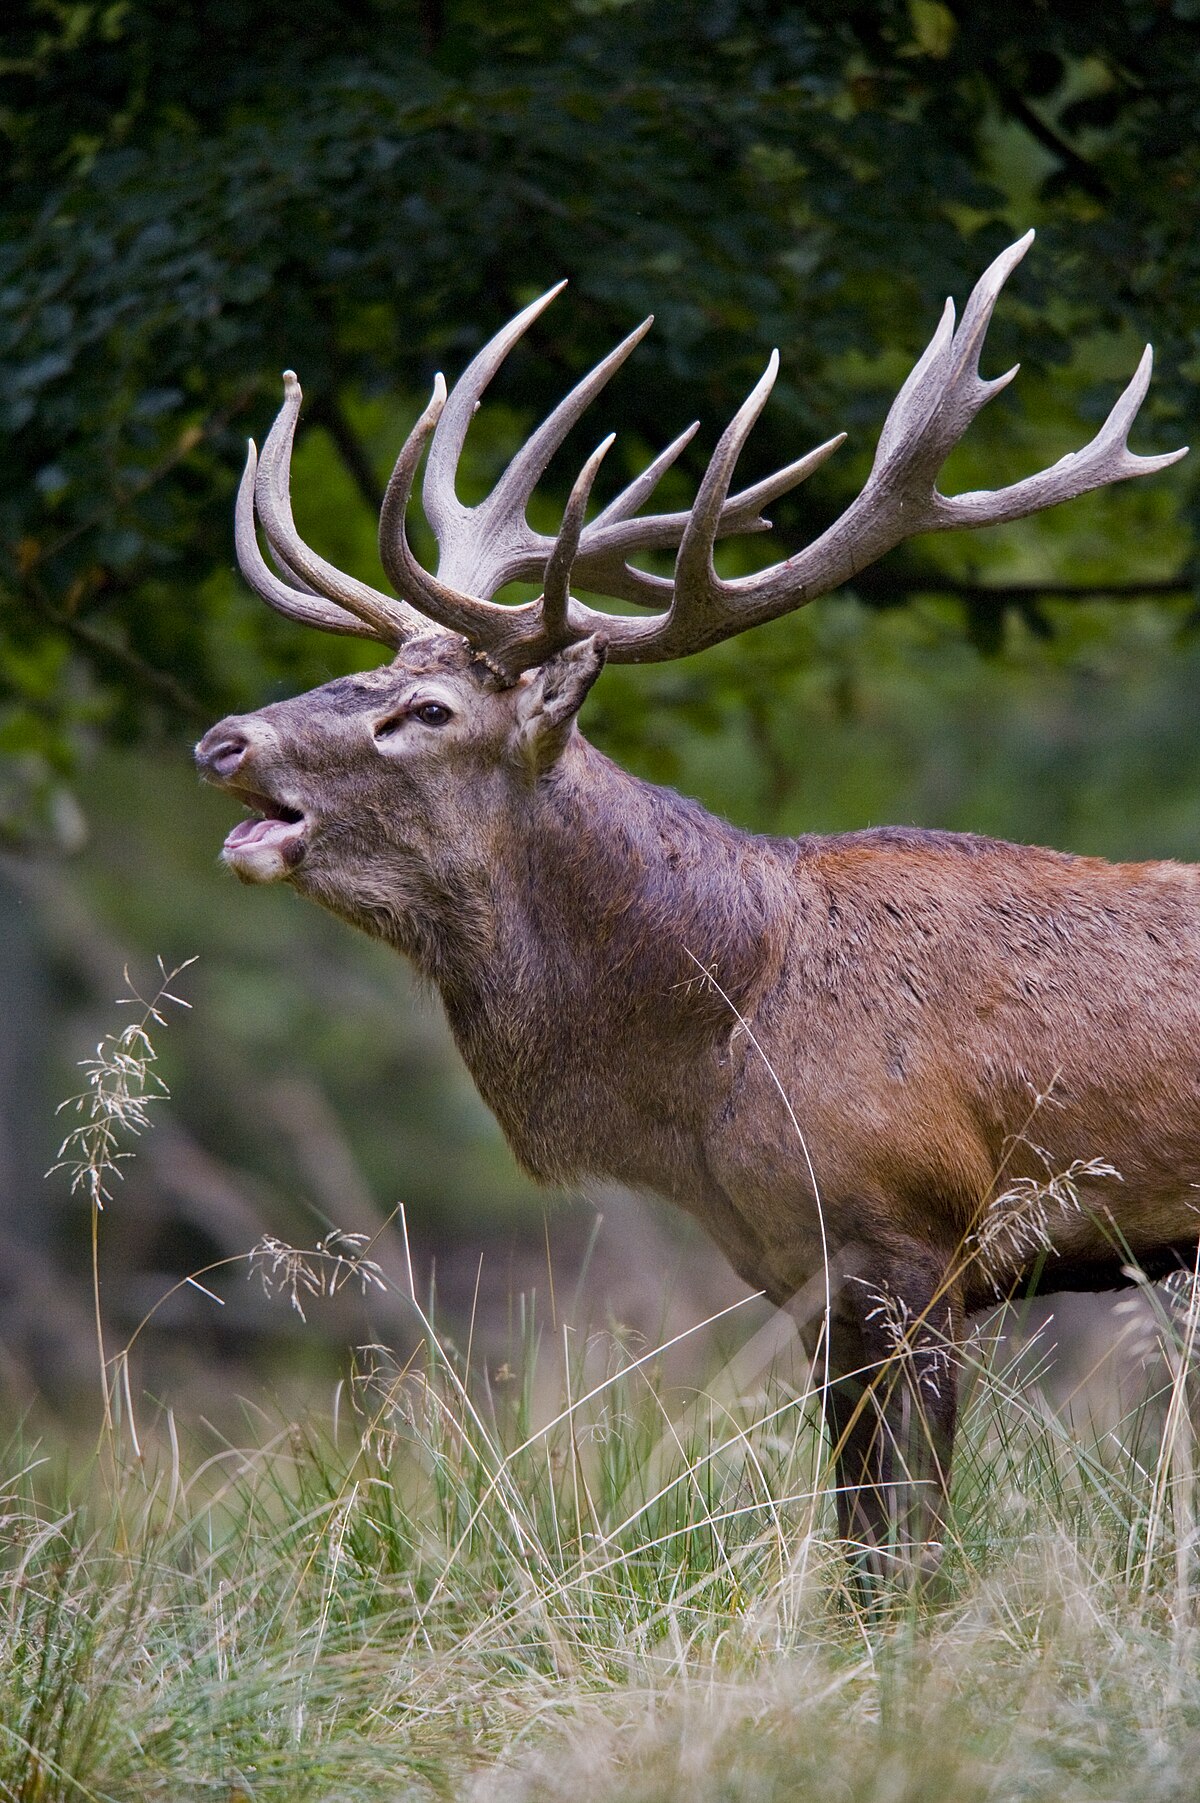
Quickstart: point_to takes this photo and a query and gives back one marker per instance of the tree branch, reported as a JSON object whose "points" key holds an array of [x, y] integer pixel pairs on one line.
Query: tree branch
{"points": [[1085, 175], [874, 585], [108, 651], [327, 411]]}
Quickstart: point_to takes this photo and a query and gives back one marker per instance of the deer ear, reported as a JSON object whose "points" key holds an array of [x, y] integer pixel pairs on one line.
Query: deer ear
{"points": [[550, 697]]}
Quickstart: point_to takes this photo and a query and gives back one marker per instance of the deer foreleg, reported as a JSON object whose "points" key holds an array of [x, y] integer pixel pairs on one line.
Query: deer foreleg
{"points": [[890, 1410]]}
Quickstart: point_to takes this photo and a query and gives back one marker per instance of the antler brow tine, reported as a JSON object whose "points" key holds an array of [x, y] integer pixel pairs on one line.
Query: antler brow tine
{"points": [[387, 619], [285, 596]]}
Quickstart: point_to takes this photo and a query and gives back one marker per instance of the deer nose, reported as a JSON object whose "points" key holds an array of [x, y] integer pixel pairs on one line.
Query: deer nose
{"points": [[223, 750], [222, 757]]}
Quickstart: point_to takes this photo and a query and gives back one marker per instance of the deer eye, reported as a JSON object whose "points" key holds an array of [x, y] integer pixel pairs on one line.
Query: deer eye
{"points": [[429, 713]]}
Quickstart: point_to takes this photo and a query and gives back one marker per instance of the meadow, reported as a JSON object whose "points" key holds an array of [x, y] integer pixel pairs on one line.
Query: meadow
{"points": [[443, 1586], [576, 1573]]}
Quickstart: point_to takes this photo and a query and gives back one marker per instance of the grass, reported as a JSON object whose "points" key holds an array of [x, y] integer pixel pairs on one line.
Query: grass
{"points": [[566, 1576], [450, 1586]]}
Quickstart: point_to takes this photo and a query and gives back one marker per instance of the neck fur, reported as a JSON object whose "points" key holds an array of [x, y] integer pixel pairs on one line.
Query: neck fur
{"points": [[586, 968]]}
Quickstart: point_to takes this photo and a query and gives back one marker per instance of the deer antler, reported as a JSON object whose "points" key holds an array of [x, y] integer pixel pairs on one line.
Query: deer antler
{"points": [[483, 547], [306, 584], [933, 409]]}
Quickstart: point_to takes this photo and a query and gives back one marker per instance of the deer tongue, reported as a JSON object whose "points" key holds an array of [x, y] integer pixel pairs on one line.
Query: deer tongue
{"points": [[256, 831], [264, 851]]}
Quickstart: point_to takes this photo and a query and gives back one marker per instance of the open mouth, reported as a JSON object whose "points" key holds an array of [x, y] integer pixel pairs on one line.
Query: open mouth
{"points": [[267, 846]]}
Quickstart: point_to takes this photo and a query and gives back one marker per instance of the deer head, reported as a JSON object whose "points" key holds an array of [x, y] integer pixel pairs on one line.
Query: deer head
{"points": [[379, 792]]}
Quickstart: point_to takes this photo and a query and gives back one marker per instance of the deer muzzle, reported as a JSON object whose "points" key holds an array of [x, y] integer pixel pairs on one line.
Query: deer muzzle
{"points": [[268, 846]]}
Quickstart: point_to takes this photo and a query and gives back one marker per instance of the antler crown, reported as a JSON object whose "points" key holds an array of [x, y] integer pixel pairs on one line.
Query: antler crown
{"points": [[482, 548]]}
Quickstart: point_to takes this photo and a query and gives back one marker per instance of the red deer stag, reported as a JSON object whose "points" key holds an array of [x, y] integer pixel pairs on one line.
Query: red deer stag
{"points": [[829, 1050]]}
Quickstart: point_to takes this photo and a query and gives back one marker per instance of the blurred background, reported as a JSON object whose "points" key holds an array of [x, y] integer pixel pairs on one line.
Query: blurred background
{"points": [[195, 197]]}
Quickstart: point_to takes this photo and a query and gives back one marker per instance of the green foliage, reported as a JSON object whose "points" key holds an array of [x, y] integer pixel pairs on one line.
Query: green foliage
{"points": [[194, 197]]}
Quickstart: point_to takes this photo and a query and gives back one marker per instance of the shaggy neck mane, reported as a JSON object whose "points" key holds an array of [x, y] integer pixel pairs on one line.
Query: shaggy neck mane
{"points": [[573, 969]]}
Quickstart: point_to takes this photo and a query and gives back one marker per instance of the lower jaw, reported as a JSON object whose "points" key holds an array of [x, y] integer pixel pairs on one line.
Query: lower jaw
{"points": [[263, 863]]}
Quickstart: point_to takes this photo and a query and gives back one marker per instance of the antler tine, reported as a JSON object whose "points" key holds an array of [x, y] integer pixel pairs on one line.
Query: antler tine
{"points": [[481, 548], [693, 565], [981, 304], [288, 574], [520, 478], [556, 594], [443, 509], [389, 620], [691, 619], [946, 396], [608, 541], [1105, 459], [636, 493], [400, 566], [481, 622], [920, 392], [740, 512], [945, 380], [296, 603]]}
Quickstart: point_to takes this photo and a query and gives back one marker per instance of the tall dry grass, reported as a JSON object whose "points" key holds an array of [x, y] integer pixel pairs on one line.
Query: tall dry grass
{"points": [[562, 1575]]}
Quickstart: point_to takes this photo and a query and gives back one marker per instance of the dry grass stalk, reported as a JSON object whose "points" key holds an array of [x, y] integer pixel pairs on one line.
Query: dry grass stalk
{"points": [[1018, 1223]]}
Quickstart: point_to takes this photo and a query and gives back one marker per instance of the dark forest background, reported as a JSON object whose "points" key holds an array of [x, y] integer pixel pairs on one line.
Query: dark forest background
{"points": [[195, 196]]}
